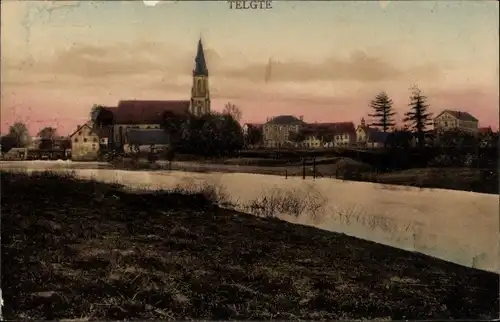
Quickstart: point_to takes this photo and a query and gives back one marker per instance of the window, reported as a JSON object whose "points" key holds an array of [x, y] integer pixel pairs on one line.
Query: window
{"points": [[148, 127], [80, 133], [199, 85], [95, 140], [85, 140], [93, 147], [75, 140], [120, 133], [446, 124]]}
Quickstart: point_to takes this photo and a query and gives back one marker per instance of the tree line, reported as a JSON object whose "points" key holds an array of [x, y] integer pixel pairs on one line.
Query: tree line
{"points": [[416, 119], [416, 122], [18, 137], [211, 135]]}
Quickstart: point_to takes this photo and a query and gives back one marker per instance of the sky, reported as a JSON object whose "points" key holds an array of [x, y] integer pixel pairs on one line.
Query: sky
{"points": [[328, 58]]}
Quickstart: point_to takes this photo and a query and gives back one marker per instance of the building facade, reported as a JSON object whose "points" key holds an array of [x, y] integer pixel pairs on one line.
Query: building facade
{"points": [[326, 135], [277, 130], [367, 137], [84, 143], [455, 120]]}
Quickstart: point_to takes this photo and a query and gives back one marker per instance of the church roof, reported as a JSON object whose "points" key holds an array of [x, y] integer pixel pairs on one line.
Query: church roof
{"points": [[200, 62], [147, 112]]}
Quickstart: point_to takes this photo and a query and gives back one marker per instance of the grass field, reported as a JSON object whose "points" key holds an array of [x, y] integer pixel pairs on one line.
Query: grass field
{"points": [[75, 249]]}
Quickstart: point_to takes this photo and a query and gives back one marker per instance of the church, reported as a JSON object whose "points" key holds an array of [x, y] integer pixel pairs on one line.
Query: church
{"points": [[137, 115]]}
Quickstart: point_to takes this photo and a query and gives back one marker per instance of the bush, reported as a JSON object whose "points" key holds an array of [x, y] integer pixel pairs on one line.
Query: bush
{"points": [[287, 201]]}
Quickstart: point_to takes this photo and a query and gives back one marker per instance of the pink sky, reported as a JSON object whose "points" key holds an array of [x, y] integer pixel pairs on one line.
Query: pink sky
{"points": [[58, 59]]}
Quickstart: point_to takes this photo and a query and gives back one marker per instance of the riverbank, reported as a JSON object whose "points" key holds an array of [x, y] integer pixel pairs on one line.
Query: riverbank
{"points": [[73, 248]]}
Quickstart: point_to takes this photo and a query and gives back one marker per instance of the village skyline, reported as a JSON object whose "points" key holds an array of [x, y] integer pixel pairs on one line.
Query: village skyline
{"points": [[60, 59]]}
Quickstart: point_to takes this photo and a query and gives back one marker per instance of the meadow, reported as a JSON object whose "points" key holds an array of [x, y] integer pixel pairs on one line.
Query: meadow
{"points": [[87, 250]]}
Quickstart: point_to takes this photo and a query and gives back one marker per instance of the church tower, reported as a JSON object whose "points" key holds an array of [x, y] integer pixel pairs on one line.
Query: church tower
{"points": [[200, 94]]}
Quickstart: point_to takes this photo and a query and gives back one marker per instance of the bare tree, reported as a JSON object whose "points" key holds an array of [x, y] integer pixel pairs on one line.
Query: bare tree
{"points": [[233, 110]]}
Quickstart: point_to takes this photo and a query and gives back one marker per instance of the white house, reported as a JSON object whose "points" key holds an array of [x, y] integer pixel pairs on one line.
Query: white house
{"points": [[449, 120]]}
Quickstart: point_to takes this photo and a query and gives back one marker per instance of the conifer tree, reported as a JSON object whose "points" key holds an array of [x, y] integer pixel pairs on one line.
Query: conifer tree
{"points": [[418, 118], [384, 113]]}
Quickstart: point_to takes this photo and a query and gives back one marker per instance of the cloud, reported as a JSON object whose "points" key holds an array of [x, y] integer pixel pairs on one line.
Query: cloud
{"points": [[87, 61], [119, 60], [358, 67]]}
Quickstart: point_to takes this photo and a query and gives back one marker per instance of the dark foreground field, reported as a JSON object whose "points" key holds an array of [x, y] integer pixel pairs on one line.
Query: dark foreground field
{"points": [[88, 250]]}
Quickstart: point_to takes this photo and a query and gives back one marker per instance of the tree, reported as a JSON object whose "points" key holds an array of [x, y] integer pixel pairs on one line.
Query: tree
{"points": [[456, 138], [48, 133], [384, 114], [209, 135], [101, 116], [297, 136], [233, 110], [177, 127], [7, 142], [46, 144], [399, 139], [418, 118], [94, 111], [217, 135], [19, 132], [254, 135]]}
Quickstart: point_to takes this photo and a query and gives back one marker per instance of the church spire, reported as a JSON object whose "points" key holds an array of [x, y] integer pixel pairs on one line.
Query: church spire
{"points": [[200, 63]]}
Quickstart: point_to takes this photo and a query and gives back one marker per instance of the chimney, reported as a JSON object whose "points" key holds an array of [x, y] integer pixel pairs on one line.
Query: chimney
{"points": [[301, 117]]}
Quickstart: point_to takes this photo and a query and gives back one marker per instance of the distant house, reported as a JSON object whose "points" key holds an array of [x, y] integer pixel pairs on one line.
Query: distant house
{"points": [[276, 131], [370, 137], [312, 141], [322, 135], [455, 120], [84, 143]]}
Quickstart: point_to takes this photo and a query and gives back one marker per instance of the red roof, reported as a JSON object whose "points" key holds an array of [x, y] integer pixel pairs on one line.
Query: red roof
{"points": [[339, 127], [147, 112], [485, 130]]}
